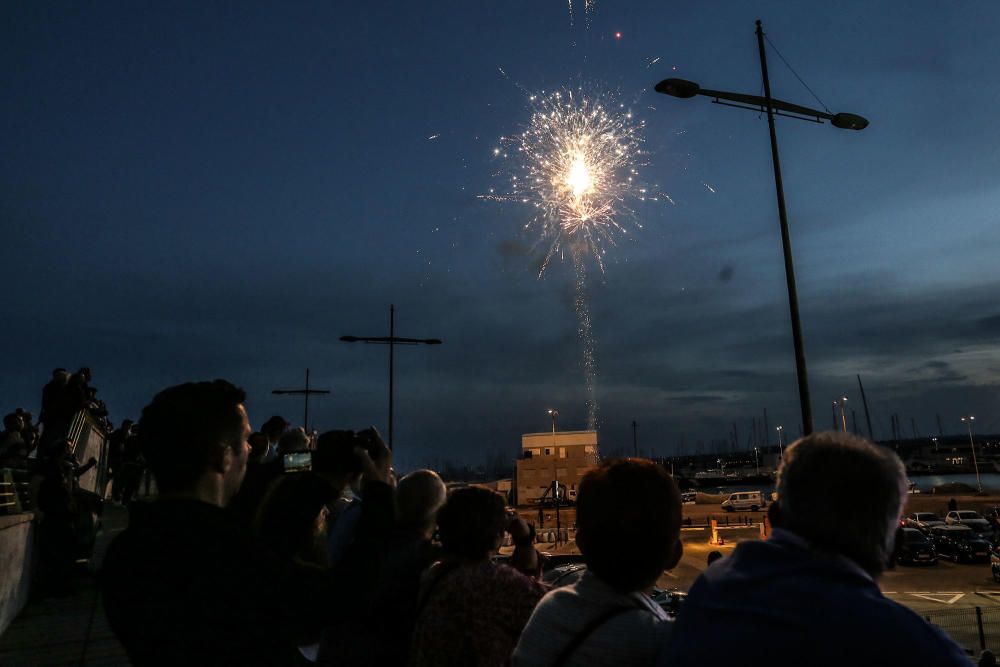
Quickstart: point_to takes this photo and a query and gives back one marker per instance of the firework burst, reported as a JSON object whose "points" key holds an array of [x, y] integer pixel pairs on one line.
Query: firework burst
{"points": [[577, 164]]}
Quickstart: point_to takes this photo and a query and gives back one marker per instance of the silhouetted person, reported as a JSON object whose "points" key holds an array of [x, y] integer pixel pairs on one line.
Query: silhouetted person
{"points": [[952, 505], [808, 594], [273, 428], [628, 530], [57, 541], [381, 634], [13, 448], [471, 610], [184, 584], [116, 458], [292, 519], [714, 556], [57, 411], [133, 466]]}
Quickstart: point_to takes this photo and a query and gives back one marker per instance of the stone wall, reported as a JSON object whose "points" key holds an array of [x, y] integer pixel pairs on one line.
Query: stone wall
{"points": [[17, 532]]}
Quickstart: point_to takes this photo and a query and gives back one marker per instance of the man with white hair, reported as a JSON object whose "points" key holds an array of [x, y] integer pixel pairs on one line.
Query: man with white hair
{"points": [[808, 594], [381, 636]]}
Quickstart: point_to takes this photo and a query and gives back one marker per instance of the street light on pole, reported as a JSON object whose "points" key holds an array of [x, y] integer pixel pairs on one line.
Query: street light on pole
{"points": [[687, 89], [968, 419], [392, 340], [780, 430], [553, 414], [842, 403]]}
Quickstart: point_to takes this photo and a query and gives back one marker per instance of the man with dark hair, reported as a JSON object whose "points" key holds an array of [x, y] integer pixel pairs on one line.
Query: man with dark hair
{"points": [[185, 584], [808, 594], [273, 428], [628, 517]]}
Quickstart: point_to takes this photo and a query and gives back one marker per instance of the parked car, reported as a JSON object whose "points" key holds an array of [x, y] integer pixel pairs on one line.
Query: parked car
{"points": [[914, 547], [923, 521], [960, 543], [969, 518], [743, 501]]}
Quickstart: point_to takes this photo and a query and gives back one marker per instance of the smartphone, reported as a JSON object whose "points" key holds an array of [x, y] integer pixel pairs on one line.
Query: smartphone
{"points": [[297, 461]]}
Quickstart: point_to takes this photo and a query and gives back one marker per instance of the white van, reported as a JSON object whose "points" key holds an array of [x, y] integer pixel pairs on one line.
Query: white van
{"points": [[743, 501]]}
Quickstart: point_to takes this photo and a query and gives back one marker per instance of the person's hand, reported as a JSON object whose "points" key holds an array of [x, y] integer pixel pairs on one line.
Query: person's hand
{"points": [[519, 529], [376, 457]]}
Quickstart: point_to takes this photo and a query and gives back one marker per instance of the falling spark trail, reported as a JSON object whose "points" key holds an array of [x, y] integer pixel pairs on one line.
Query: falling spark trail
{"points": [[586, 336]]}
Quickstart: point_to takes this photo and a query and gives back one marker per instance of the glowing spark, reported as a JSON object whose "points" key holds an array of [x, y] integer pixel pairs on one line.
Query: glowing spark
{"points": [[710, 188], [576, 163], [618, 35], [433, 137], [588, 11]]}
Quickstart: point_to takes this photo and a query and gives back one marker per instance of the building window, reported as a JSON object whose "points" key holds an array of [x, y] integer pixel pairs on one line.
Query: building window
{"points": [[562, 452], [548, 451], [536, 452]]}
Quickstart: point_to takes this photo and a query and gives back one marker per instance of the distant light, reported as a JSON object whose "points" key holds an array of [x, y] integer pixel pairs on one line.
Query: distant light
{"points": [[618, 35]]}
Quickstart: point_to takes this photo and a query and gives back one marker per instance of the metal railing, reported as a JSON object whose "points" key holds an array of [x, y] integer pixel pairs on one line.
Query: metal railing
{"points": [[972, 628]]}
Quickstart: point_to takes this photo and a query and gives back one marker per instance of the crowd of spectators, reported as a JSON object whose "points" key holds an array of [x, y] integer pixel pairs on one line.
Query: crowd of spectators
{"points": [[247, 556], [283, 548]]}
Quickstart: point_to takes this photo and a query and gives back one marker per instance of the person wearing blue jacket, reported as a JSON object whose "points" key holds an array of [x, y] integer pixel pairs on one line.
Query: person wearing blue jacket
{"points": [[808, 595]]}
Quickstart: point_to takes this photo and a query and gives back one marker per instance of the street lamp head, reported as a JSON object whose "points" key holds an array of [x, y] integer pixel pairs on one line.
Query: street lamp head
{"points": [[350, 339], [678, 88], [849, 121]]}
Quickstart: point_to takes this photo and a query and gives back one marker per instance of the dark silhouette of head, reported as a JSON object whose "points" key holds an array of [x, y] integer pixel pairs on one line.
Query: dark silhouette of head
{"points": [[812, 503], [471, 522], [714, 556], [628, 517], [274, 427], [291, 519], [185, 432], [258, 445], [337, 457]]}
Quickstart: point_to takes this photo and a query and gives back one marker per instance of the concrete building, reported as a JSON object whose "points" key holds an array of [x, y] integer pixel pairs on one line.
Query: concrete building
{"points": [[563, 456]]}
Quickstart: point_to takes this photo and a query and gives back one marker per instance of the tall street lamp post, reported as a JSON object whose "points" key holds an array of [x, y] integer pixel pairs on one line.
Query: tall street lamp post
{"points": [[968, 419], [686, 89], [392, 340], [780, 430], [842, 403]]}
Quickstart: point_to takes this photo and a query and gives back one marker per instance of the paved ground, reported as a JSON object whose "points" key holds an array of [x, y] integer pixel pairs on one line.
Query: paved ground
{"points": [[71, 630]]}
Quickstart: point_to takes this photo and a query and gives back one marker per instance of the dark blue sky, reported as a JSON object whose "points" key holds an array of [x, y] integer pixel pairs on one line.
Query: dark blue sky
{"points": [[224, 189]]}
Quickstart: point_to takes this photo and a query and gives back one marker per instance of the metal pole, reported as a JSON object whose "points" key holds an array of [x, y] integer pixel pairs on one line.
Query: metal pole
{"points": [[868, 417], [392, 342], [786, 243], [972, 443], [635, 440]]}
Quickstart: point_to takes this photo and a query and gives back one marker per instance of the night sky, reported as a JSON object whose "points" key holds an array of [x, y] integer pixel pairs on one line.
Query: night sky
{"points": [[201, 190]]}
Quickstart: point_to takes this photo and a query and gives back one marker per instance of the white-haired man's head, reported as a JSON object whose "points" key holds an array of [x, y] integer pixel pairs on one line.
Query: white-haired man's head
{"points": [[843, 494], [419, 496]]}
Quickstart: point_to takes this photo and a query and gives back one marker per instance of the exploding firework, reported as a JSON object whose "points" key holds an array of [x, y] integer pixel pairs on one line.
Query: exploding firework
{"points": [[577, 164]]}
